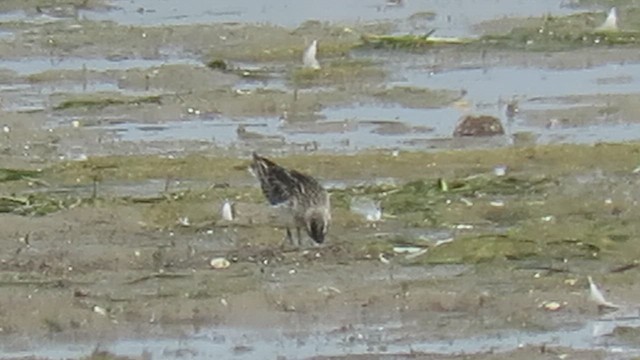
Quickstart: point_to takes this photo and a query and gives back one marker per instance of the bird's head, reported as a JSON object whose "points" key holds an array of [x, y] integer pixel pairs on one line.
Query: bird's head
{"points": [[317, 225]]}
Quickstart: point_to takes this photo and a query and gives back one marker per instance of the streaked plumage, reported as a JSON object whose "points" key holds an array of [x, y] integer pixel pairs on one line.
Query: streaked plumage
{"points": [[302, 195]]}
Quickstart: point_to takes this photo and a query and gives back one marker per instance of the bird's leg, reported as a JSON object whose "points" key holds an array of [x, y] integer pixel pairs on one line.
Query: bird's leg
{"points": [[299, 236], [289, 236]]}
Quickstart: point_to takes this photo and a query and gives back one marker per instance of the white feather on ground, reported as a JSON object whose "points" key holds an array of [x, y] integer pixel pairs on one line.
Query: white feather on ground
{"points": [[367, 208], [227, 211], [611, 23], [309, 57], [596, 296]]}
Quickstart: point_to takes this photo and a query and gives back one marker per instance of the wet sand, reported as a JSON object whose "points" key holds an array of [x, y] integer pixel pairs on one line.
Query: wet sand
{"points": [[128, 144]]}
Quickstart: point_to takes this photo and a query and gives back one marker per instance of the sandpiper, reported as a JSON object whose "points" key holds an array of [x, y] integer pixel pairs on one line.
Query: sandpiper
{"points": [[305, 201]]}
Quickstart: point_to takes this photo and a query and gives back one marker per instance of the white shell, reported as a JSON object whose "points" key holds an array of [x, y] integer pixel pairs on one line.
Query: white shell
{"points": [[99, 310], [219, 263], [309, 57], [184, 221], [500, 170], [552, 305]]}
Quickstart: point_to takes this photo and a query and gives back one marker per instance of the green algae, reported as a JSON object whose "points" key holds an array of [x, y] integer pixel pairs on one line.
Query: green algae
{"points": [[548, 33], [561, 33], [100, 101], [409, 41], [17, 174], [541, 214], [36, 204], [556, 160], [339, 72]]}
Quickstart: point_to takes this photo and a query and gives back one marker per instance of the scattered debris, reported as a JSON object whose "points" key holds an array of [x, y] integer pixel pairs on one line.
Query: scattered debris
{"points": [[410, 252], [329, 291], [551, 305], [466, 201], [184, 221], [383, 259], [219, 263], [407, 249], [625, 267], [500, 170], [443, 241], [99, 310]]}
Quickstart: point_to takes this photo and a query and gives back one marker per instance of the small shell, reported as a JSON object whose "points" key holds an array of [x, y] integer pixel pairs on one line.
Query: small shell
{"points": [[99, 310], [383, 259], [500, 170], [219, 263], [551, 305], [184, 221]]}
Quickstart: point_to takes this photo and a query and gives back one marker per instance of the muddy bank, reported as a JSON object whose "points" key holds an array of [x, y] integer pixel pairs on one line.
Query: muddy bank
{"points": [[121, 142], [110, 265]]}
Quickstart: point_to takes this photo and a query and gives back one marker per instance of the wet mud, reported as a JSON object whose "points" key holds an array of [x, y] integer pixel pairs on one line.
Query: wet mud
{"points": [[126, 126]]}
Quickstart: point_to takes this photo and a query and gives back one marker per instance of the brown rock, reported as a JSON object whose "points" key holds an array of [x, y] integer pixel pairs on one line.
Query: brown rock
{"points": [[482, 125]]}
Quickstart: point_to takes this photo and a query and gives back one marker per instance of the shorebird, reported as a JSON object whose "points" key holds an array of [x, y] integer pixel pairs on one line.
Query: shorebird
{"points": [[304, 200]]}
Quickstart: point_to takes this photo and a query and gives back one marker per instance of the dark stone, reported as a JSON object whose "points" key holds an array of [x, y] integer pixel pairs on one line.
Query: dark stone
{"points": [[482, 125]]}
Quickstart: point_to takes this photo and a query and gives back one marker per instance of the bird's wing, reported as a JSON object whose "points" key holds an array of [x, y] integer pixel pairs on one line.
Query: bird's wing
{"points": [[277, 183]]}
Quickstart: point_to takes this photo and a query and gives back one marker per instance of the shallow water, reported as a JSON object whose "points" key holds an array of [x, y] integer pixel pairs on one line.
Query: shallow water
{"points": [[488, 85], [453, 17], [390, 338], [37, 65]]}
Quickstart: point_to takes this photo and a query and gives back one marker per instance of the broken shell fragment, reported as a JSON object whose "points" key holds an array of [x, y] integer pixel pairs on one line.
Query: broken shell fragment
{"points": [[219, 263], [99, 310], [500, 170], [551, 305]]}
